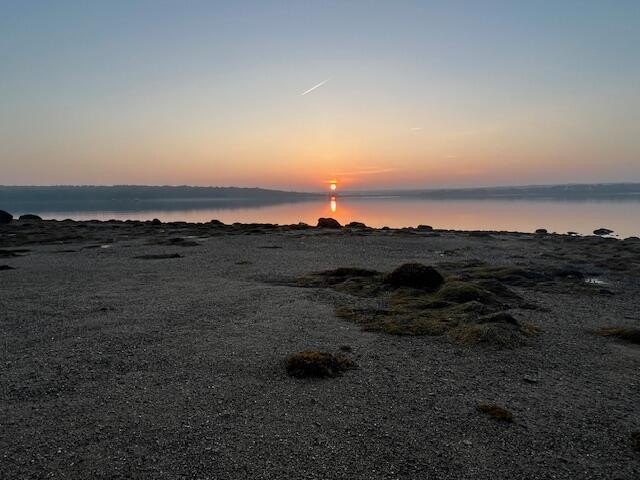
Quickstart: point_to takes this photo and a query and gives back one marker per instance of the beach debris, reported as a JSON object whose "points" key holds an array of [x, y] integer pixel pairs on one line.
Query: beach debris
{"points": [[328, 223], [317, 364], [602, 231], [629, 334], [5, 217], [159, 256], [495, 411]]}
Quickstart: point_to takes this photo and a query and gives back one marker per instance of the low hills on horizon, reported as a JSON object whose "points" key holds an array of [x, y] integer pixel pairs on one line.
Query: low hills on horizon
{"points": [[117, 197]]}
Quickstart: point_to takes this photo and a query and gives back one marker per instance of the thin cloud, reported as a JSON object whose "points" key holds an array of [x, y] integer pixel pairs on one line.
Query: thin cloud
{"points": [[315, 86], [417, 129], [367, 171]]}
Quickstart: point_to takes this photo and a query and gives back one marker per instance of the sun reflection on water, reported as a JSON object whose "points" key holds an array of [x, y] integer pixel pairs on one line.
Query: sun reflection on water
{"points": [[333, 204]]}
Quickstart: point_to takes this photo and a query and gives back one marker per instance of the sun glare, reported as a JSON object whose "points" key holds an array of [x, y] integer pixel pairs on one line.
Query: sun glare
{"points": [[333, 186]]}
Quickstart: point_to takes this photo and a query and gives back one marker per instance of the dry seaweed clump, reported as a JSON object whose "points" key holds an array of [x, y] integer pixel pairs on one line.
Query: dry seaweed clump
{"points": [[630, 334], [317, 364], [500, 329], [495, 411], [417, 299]]}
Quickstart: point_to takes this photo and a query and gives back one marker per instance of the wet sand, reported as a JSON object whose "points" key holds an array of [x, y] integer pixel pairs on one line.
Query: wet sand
{"points": [[133, 350]]}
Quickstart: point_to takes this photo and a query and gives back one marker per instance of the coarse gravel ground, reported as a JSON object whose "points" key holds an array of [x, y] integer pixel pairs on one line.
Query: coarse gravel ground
{"points": [[121, 367]]}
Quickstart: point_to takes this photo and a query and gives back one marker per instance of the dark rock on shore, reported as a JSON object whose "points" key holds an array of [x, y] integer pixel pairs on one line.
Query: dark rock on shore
{"points": [[328, 223], [6, 267], [29, 216], [356, 225], [602, 231], [155, 221], [424, 228], [5, 217], [415, 275], [542, 231], [216, 222]]}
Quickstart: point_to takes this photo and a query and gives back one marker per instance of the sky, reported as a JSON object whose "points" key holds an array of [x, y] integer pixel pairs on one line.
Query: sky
{"points": [[292, 95]]}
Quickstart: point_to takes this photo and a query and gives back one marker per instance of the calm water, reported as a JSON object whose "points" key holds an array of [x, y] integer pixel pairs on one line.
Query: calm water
{"points": [[515, 215]]}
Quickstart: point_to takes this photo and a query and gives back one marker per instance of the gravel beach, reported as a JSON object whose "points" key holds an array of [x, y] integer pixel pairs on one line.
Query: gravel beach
{"points": [[134, 350]]}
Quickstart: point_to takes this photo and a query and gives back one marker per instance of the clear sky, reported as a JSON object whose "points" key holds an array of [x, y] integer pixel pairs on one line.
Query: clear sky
{"points": [[415, 94]]}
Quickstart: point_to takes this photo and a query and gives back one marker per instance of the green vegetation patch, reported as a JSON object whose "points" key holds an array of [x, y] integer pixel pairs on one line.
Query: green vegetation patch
{"points": [[472, 311]]}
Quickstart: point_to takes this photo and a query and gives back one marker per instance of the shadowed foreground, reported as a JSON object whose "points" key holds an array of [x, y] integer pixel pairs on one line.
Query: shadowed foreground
{"points": [[133, 350]]}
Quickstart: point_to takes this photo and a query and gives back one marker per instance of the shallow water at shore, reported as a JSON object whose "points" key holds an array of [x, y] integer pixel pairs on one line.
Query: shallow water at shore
{"points": [[528, 215]]}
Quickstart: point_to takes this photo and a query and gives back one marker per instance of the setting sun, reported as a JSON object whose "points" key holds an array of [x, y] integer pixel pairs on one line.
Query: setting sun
{"points": [[333, 185]]}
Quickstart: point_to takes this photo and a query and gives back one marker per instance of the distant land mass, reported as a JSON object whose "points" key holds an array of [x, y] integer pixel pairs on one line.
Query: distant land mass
{"points": [[122, 198], [139, 198], [552, 192]]}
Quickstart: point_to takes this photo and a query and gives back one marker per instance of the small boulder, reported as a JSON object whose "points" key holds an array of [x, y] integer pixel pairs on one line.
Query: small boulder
{"points": [[602, 231], [216, 222], [5, 217], [29, 216], [155, 221], [424, 228], [542, 231], [328, 223], [415, 275], [356, 225]]}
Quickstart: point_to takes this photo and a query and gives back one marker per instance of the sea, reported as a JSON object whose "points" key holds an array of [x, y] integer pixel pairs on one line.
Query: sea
{"points": [[521, 215]]}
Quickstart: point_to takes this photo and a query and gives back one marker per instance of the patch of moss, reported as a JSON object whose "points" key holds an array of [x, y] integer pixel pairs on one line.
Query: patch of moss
{"points": [[468, 312], [317, 364], [461, 292]]}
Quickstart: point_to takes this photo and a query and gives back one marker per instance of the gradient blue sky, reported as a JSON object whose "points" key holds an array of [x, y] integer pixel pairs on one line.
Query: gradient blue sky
{"points": [[420, 94]]}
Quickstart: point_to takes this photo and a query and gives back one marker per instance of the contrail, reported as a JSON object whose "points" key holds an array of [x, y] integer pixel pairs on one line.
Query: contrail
{"points": [[317, 86]]}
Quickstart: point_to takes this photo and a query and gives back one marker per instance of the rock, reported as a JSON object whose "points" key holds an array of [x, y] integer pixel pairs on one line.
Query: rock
{"points": [[29, 216], [155, 221], [425, 228], [5, 217], [542, 231], [5, 267], [216, 222], [602, 231], [356, 225], [415, 275], [530, 379], [572, 233], [328, 223]]}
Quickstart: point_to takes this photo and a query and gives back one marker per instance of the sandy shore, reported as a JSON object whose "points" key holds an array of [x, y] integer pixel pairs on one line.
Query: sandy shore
{"points": [[133, 350]]}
